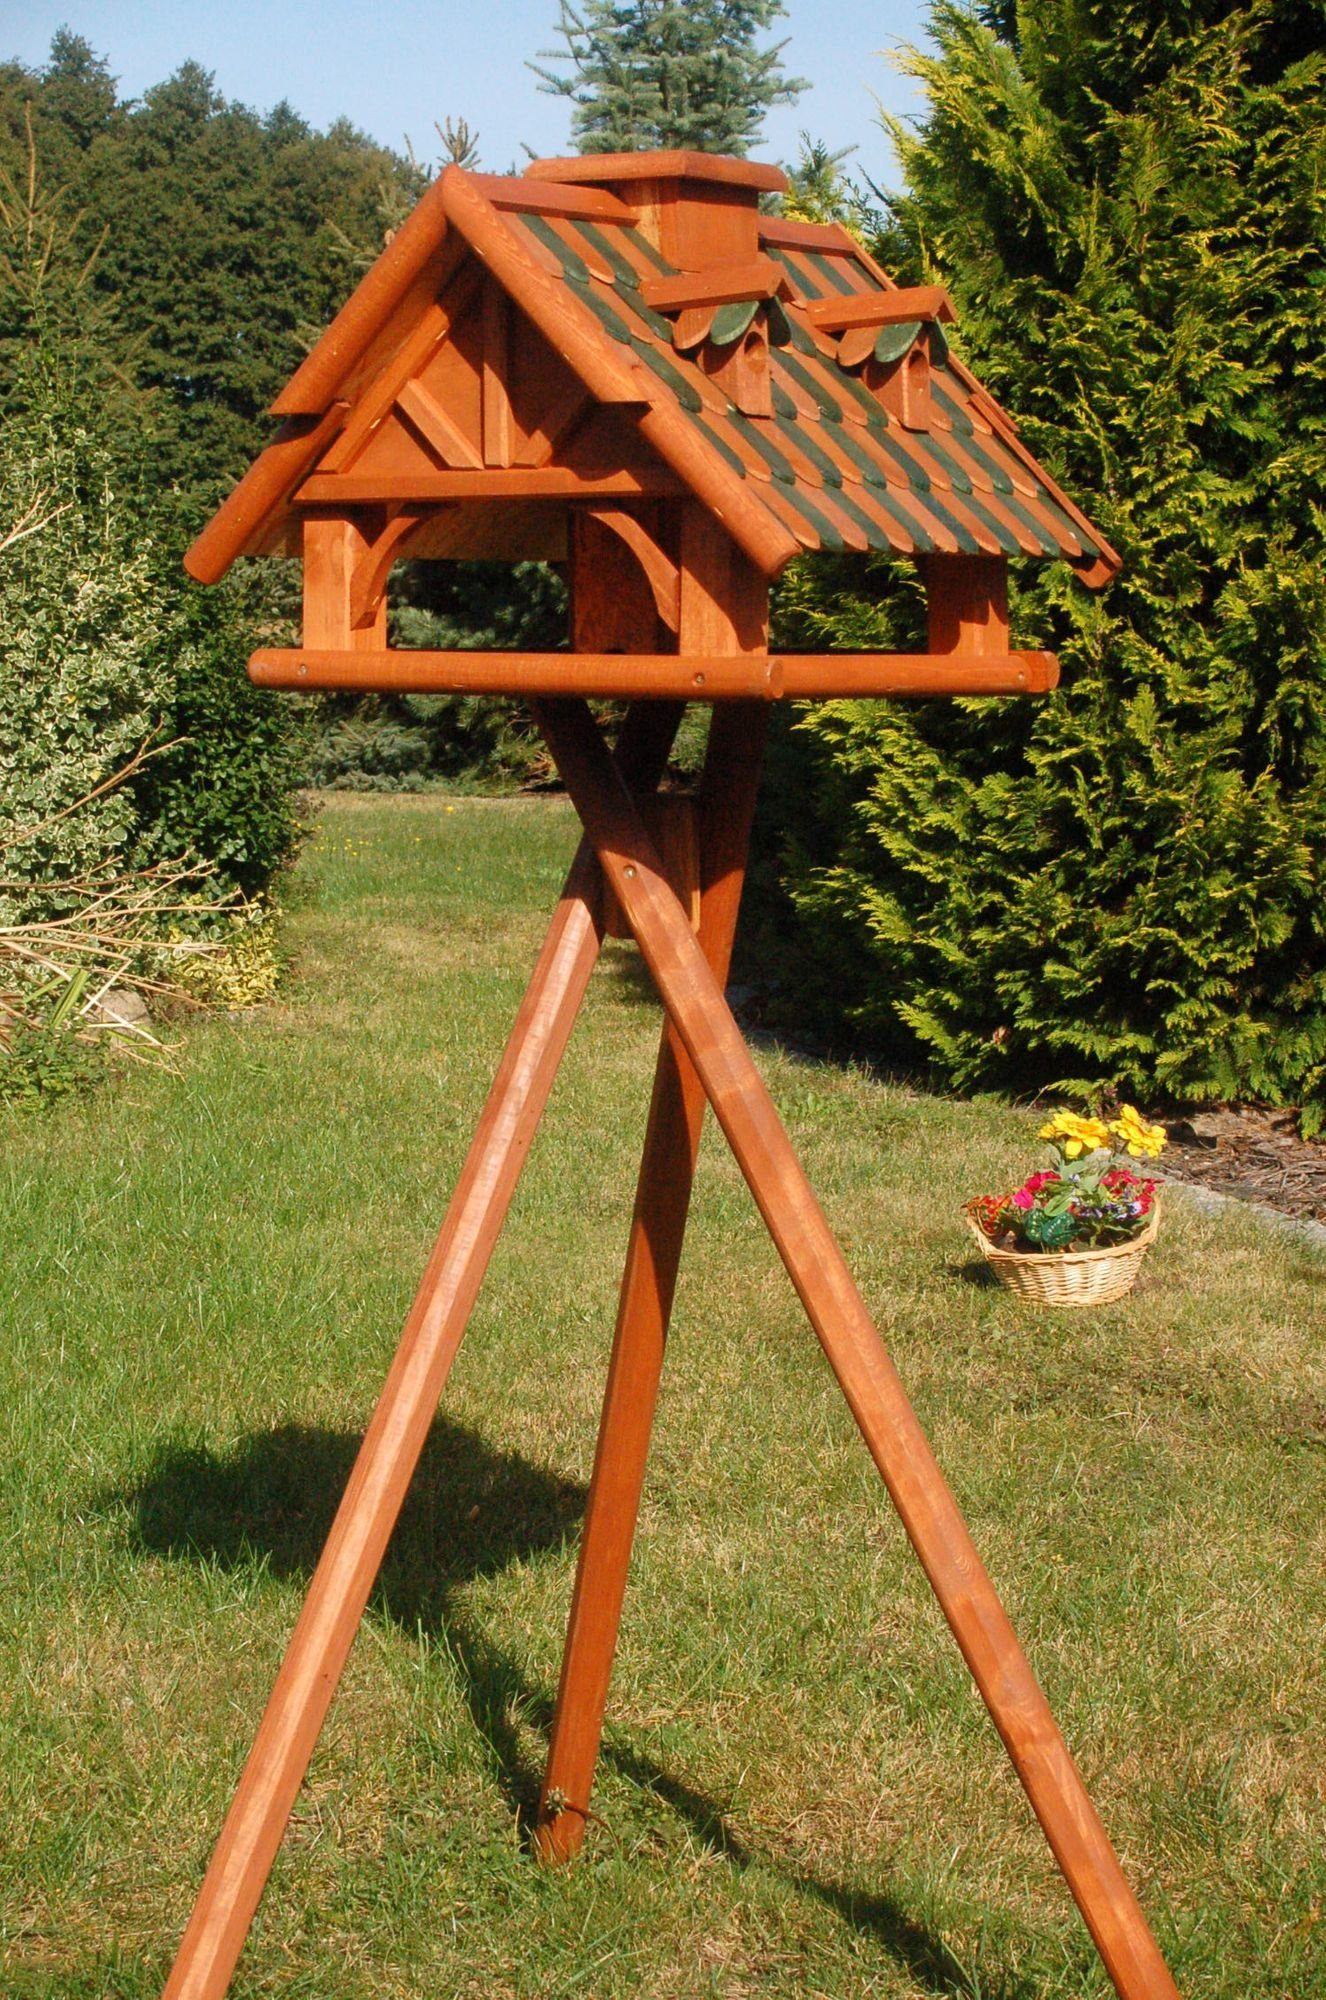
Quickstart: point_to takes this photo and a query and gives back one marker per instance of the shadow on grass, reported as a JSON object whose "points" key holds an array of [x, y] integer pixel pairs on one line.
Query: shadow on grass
{"points": [[622, 968], [972, 1271], [470, 1512], [884, 1918]]}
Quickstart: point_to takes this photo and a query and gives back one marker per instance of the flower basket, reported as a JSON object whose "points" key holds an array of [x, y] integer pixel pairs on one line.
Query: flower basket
{"points": [[1071, 1277], [1075, 1233]]}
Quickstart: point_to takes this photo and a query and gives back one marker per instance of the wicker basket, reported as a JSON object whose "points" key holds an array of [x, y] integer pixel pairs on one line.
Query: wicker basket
{"points": [[1069, 1277]]}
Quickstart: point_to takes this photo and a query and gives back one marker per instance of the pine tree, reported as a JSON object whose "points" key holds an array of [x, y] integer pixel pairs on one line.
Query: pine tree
{"points": [[668, 73], [1123, 884]]}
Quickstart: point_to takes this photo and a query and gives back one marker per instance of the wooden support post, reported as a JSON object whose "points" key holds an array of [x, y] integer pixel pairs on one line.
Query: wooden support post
{"points": [[670, 818], [967, 606], [395, 1437], [722, 611], [662, 1201], [334, 551], [869, 1381], [613, 607]]}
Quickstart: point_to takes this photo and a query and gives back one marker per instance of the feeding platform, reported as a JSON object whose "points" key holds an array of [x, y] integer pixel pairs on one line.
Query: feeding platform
{"points": [[618, 364]]}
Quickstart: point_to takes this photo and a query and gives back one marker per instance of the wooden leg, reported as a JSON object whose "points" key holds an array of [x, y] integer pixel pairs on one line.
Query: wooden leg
{"points": [[395, 1437], [672, 1139], [868, 1378]]}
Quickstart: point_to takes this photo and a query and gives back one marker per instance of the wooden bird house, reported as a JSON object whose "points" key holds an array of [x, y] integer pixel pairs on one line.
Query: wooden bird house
{"points": [[621, 365]]}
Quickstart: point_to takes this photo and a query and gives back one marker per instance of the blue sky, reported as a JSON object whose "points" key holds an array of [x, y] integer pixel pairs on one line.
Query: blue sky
{"points": [[394, 68]]}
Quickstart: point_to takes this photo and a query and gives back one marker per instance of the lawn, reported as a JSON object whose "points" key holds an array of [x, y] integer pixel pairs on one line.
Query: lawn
{"points": [[203, 1279]]}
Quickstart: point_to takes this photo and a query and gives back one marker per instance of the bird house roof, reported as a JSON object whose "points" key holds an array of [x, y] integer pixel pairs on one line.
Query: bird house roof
{"points": [[621, 326]]}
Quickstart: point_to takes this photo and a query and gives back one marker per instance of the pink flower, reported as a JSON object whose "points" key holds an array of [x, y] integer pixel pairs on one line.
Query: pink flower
{"points": [[1031, 1187]]}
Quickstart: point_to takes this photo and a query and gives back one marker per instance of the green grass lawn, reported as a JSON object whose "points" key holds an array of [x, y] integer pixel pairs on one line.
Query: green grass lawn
{"points": [[204, 1275]]}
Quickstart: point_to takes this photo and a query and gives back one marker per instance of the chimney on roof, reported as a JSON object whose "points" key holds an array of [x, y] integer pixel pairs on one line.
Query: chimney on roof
{"points": [[697, 209]]}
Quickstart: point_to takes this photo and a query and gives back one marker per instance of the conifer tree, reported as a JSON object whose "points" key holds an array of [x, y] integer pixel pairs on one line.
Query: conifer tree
{"points": [[1124, 883], [668, 73], [226, 240]]}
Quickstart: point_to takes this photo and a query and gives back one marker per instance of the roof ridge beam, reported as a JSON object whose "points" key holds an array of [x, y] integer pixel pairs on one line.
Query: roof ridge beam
{"points": [[720, 169], [893, 308], [591, 204], [786, 233]]}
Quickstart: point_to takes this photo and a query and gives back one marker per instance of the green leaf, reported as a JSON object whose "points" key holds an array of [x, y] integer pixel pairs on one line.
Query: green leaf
{"points": [[70, 998]]}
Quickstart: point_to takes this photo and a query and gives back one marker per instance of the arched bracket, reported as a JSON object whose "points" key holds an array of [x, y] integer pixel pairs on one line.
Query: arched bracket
{"points": [[368, 581], [661, 573]]}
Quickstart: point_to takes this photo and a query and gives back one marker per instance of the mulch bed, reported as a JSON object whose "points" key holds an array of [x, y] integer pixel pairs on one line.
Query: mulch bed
{"points": [[1254, 1155]]}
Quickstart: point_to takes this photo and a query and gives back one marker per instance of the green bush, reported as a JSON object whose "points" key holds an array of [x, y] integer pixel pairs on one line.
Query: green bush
{"points": [[1123, 884], [144, 784], [404, 742], [84, 671], [224, 791], [46, 1062], [107, 651]]}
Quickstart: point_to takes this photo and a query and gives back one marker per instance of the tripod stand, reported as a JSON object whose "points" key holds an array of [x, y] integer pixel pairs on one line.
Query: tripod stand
{"points": [[703, 1058]]}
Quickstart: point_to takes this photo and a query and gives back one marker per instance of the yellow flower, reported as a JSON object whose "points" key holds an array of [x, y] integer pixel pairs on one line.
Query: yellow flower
{"points": [[1140, 1140], [1074, 1135]]}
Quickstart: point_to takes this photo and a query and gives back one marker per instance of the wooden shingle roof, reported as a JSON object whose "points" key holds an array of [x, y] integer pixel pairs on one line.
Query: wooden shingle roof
{"points": [[828, 467]]}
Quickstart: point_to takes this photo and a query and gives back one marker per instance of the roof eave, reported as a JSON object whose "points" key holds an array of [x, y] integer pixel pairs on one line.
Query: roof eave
{"points": [[1094, 572], [247, 511]]}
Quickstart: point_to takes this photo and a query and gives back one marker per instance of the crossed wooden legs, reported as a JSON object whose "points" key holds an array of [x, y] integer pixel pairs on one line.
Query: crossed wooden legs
{"points": [[711, 1051]]}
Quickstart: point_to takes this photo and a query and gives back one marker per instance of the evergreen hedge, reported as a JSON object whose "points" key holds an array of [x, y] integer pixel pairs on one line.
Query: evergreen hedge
{"points": [[1122, 884]]}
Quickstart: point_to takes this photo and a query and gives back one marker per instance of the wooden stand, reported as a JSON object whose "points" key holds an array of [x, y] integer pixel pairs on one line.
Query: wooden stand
{"points": [[702, 1057]]}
